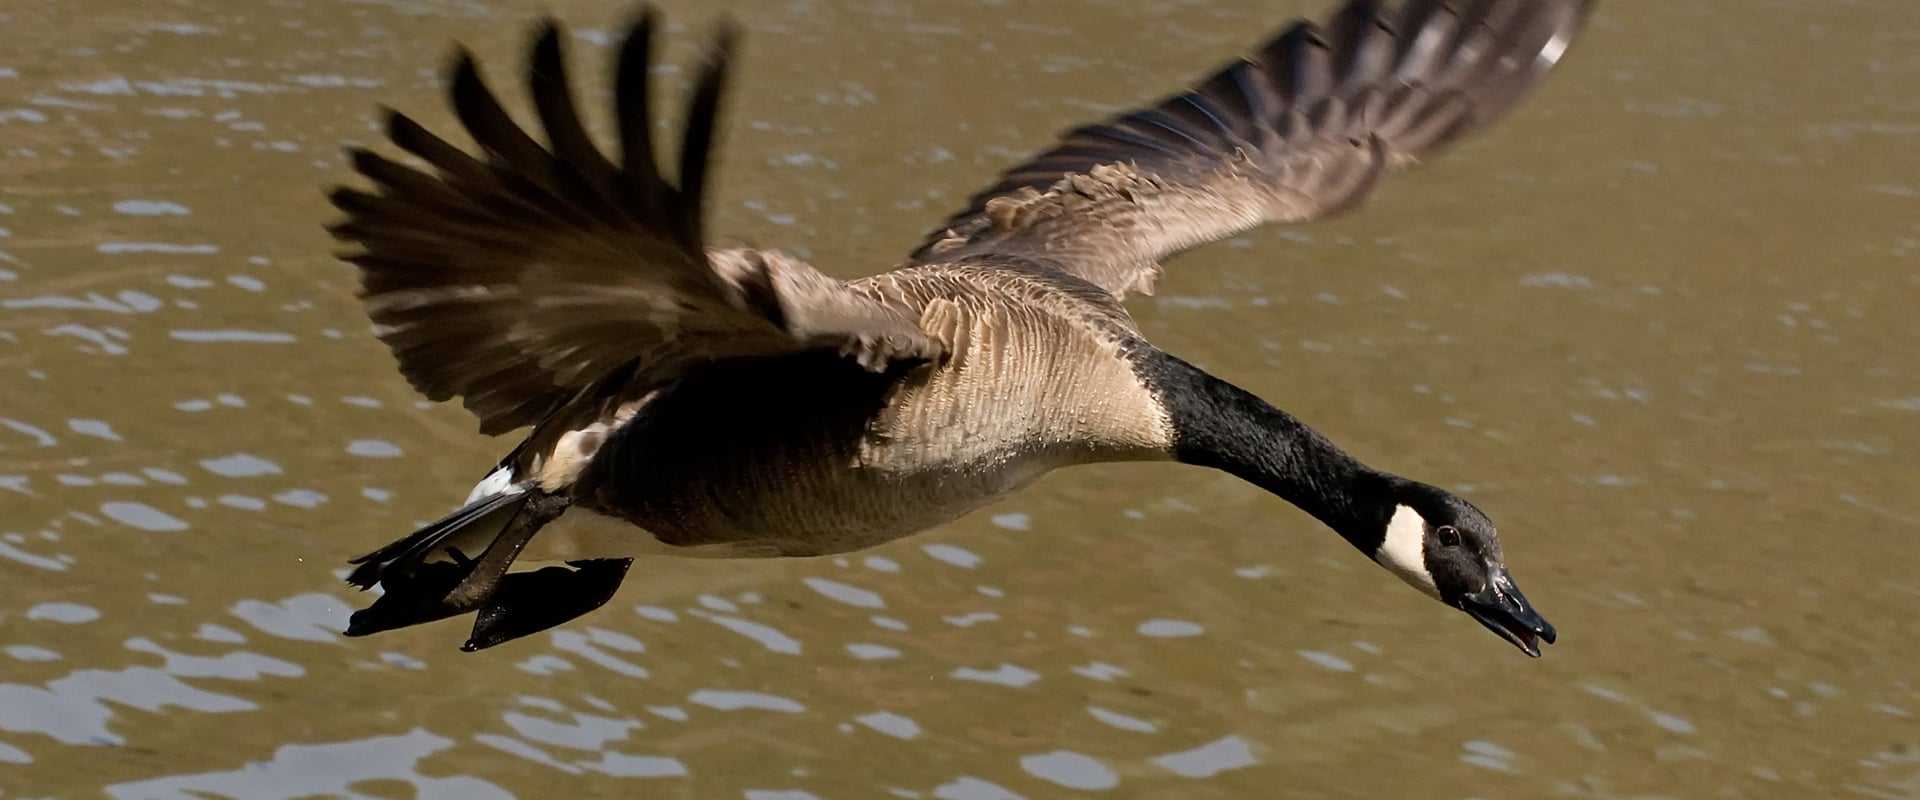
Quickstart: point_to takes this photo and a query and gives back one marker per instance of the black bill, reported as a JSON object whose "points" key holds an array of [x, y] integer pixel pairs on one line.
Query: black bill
{"points": [[1505, 611]]}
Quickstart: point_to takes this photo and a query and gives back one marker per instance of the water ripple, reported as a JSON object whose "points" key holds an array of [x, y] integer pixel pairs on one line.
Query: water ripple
{"points": [[302, 770]]}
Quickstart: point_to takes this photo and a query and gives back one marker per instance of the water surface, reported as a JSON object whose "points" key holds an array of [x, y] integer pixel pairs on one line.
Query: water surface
{"points": [[1659, 323]]}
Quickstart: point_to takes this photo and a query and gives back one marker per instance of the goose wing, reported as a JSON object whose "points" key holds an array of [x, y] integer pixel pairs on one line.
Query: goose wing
{"points": [[1298, 130], [521, 277]]}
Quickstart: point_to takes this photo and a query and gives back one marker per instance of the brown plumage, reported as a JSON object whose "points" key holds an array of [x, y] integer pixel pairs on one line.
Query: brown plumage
{"points": [[702, 400]]}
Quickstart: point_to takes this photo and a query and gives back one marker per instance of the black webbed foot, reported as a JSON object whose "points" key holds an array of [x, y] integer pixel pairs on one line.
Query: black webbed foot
{"points": [[526, 603], [410, 599]]}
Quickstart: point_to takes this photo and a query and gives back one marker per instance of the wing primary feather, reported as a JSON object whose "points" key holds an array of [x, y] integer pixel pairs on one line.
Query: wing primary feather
{"points": [[634, 111], [560, 118], [1239, 97], [1297, 64], [1363, 42], [451, 161], [1431, 27], [1165, 122], [1203, 105], [490, 125], [702, 125], [399, 180], [1125, 137]]}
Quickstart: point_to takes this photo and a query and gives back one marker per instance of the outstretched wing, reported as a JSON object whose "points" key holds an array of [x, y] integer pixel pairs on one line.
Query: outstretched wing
{"points": [[520, 277], [1298, 130]]}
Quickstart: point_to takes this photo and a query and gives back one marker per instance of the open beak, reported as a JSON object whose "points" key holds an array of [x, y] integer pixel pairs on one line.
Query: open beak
{"points": [[1505, 611]]}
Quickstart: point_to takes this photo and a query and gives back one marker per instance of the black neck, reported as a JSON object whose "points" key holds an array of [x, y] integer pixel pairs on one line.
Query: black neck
{"points": [[1219, 425]]}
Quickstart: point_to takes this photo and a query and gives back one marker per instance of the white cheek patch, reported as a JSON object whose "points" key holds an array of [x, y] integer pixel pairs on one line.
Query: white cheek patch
{"points": [[1403, 551]]}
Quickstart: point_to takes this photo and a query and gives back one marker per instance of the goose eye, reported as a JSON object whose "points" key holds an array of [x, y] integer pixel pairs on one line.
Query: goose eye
{"points": [[1449, 535]]}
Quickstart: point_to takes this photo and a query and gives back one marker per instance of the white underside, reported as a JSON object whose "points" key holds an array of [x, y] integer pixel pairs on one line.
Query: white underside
{"points": [[1404, 551]]}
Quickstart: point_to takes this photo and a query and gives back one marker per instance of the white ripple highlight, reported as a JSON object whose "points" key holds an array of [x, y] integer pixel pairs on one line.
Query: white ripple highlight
{"points": [[1210, 759], [847, 594], [1070, 769], [142, 516], [729, 700]]}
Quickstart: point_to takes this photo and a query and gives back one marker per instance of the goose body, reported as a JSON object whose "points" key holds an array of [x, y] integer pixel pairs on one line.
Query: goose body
{"points": [[848, 458], [696, 400]]}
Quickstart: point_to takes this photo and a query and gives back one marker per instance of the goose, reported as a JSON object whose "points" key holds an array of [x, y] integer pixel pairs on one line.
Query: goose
{"points": [[726, 402]]}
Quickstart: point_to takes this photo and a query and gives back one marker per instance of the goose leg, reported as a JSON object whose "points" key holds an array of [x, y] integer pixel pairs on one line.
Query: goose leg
{"points": [[491, 568]]}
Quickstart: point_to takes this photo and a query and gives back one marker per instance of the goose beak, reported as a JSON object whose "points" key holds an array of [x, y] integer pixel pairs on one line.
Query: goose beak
{"points": [[1505, 611]]}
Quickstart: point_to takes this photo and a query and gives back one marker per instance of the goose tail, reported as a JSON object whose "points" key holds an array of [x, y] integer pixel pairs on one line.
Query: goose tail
{"points": [[460, 564]]}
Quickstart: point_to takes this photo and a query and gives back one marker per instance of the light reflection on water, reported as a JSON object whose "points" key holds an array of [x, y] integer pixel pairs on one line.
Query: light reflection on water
{"points": [[328, 770], [1660, 324]]}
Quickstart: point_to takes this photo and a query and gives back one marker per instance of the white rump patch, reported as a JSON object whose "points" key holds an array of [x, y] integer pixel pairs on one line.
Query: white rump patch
{"points": [[499, 481], [1404, 550], [1556, 47]]}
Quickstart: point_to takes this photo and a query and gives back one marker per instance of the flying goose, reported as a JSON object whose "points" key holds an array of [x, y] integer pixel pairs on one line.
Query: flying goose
{"points": [[708, 401]]}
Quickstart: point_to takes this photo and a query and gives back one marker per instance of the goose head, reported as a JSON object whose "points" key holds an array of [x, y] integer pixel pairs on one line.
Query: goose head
{"points": [[1445, 547]]}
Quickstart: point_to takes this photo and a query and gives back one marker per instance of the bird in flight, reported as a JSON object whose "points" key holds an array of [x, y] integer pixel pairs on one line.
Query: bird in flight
{"points": [[682, 397]]}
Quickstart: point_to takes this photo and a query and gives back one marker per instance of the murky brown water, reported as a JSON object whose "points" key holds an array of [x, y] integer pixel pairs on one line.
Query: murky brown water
{"points": [[1661, 324]]}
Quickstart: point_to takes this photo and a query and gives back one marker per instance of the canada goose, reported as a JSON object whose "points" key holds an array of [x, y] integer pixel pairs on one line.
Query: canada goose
{"points": [[732, 402]]}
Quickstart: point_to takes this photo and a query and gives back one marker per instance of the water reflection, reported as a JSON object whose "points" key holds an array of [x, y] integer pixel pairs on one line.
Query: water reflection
{"points": [[327, 770]]}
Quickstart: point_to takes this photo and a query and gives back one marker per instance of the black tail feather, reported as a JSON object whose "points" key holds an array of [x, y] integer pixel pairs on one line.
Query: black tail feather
{"points": [[406, 554]]}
